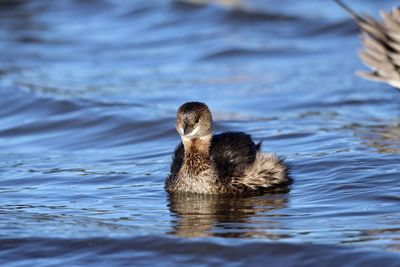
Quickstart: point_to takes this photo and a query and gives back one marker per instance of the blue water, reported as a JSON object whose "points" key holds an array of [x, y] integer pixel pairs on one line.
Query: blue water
{"points": [[88, 95]]}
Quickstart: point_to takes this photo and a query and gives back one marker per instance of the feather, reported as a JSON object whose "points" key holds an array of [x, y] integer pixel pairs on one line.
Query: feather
{"points": [[381, 45]]}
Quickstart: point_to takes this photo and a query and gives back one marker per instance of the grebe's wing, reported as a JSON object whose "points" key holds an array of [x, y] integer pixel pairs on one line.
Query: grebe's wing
{"points": [[232, 152], [177, 159]]}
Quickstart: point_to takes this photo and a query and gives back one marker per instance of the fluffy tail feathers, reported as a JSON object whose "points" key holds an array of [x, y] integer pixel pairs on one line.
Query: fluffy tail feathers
{"points": [[267, 171]]}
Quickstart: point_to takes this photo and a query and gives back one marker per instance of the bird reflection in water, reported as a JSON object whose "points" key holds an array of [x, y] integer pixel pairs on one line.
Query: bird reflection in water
{"points": [[213, 215]]}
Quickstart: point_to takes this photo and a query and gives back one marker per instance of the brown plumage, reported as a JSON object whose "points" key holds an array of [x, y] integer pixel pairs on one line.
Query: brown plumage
{"points": [[381, 41], [228, 163]]}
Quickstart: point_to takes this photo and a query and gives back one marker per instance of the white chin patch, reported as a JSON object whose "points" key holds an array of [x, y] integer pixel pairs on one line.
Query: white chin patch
{"points": [[194, 132]]}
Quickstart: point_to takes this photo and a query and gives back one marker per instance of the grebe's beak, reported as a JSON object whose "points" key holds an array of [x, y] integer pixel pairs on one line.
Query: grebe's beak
{"points": [[186, 129]]}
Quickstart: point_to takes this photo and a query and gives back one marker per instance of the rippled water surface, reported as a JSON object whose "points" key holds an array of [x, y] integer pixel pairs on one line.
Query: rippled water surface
{"points": [[88, 94]]}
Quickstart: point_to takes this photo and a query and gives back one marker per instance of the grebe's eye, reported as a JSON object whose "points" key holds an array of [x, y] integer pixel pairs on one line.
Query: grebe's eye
{"points": [[197, 120]]}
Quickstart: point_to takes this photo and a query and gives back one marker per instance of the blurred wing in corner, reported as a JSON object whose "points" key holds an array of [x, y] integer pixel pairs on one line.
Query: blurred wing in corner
{"points": [[381, 41]]}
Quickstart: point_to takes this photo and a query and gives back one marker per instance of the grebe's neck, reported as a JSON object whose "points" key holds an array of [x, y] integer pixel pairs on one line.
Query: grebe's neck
{"points": [[199, 145]]}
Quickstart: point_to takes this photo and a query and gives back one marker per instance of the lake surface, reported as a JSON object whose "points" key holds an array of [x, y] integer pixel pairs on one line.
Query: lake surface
{"points": [[88, 95]]}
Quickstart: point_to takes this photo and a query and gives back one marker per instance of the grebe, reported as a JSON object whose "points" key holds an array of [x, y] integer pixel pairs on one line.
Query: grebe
{"points": [[228, 163]]}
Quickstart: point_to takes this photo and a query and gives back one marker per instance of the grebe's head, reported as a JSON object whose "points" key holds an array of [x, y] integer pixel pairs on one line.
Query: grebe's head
{"points": [[193, 120]]}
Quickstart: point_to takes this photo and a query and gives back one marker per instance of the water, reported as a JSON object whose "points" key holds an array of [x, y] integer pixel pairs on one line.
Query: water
{"points": [[88, 94]]}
